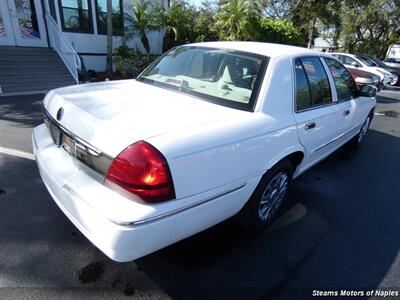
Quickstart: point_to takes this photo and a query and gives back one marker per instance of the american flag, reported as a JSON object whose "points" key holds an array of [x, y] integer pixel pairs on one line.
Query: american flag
{"points": [[29, 33], [2, 29]]}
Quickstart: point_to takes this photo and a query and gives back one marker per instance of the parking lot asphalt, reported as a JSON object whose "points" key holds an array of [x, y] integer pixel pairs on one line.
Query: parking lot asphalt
{"points": [[346, 235]]}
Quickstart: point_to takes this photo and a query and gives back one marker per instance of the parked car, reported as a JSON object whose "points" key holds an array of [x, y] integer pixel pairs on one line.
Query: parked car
{"points": [[393, 54], [395, 71], [351, 60], [206, 132], [392, 62], [363, 77]]}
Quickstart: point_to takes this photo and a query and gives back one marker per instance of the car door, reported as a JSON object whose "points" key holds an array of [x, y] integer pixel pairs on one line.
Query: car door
{"points": [[354, 108], [317, 114]]}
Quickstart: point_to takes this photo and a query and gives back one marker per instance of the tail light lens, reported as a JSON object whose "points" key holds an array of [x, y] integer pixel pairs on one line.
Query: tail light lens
{"points": [[142, 170]]}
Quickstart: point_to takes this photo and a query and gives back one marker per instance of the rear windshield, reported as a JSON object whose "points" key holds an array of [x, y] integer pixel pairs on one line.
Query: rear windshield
{"points": [[230, 78]]}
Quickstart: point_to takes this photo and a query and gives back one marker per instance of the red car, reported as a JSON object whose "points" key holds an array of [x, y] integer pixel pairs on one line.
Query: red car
{"points": [[362, 77]]}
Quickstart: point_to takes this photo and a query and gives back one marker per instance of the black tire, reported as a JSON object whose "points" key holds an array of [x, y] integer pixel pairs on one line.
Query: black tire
{"points": [[395, 82], [250, 217], [357, 141]]}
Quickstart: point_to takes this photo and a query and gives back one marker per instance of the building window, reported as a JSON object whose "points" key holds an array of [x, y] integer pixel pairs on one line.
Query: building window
{"points": [[76, 15], [118, 19]]}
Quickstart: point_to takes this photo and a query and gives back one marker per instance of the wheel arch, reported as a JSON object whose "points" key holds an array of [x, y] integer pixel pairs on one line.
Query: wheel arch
{"points": [[294, 154]]}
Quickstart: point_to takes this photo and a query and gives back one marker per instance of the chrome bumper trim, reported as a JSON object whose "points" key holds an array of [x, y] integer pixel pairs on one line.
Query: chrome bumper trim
{"points": [[181, 209], [82, 151]]}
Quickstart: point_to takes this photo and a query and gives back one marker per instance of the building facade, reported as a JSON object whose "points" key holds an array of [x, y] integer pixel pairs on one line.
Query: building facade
{"points": [[26, 23]]}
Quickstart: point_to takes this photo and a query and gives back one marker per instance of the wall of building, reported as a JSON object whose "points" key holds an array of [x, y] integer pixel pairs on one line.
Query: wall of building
{"points": [[93, 46]]}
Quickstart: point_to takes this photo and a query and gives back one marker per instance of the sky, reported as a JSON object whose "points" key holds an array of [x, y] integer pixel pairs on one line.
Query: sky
{"points": [[195, 2]]}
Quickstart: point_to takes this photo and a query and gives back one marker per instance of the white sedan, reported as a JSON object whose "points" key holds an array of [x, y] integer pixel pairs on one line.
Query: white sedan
{"points": [[206, 132], [365, 64]]}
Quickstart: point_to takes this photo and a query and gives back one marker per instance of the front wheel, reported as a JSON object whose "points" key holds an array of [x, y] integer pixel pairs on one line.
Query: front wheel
{"points": [[395, 80], [266, 201]]}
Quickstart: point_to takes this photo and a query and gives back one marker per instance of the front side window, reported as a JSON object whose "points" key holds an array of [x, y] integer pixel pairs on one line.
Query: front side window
{"points": [[117, 19], [76, 15], [225, 77], [345, 86], [310, 69]]}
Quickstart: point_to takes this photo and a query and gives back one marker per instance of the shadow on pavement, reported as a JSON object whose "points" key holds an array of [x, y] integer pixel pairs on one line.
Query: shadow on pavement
{"points": [[385, 100], [347, 239], [23, 110]]}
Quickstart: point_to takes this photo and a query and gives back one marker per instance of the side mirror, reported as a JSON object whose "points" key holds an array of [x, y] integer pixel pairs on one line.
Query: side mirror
{"points": [[354, 64], [368, 91]]}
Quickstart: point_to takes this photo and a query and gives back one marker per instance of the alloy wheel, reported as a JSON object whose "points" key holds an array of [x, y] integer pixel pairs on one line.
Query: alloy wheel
{"points": [[363, 131], [273, 196], [395, 79]]}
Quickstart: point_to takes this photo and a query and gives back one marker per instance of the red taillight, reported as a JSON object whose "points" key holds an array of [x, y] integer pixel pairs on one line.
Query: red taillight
{"points": [[142, 170]]}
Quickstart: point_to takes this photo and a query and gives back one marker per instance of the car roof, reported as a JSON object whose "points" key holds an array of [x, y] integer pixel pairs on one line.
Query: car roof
{"points": [[345, 54], [267, 49]]}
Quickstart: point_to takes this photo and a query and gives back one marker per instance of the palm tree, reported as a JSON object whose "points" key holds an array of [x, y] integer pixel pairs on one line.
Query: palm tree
{"points": [[109, 37], [238, 18], [178, 24], [142, 19]]}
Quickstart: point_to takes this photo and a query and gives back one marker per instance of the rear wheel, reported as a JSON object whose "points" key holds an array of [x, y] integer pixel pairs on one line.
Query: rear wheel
{"points": [[266, 201], [356, 141]]}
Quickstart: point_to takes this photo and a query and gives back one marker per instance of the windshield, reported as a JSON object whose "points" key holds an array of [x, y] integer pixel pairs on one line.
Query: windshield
{"points": [[379, 62], [225, 77], [366, 60]]}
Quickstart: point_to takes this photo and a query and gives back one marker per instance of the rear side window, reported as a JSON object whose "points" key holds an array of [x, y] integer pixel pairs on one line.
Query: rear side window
{"points": [[345, 86], [312, 84]]}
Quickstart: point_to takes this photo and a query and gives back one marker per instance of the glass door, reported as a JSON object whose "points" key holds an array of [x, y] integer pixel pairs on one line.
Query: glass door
{"points": [[28, 23], [6, 30]]}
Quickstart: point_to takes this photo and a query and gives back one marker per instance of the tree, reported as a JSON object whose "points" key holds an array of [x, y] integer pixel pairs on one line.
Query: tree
{"points": [[178, 24], [306, 15], [278, 31], [142, 19], [204, 23], [309, 17], [238, 19], [369, 26], [276, 9]]}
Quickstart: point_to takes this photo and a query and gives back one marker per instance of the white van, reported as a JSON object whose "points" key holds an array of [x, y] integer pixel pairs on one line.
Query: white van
{"points": [[393, 55]]}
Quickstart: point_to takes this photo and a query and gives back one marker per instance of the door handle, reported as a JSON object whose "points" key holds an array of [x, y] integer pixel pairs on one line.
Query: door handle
{"points": [[346, 112], [310, 126]]}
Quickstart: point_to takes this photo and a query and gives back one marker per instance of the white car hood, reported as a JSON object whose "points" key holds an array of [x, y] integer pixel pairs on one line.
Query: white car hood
{"points": [[383, 71], [113, 115]]}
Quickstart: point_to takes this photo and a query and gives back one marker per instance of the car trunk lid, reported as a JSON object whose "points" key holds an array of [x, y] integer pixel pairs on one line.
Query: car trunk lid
{"points": [[110, 116]]}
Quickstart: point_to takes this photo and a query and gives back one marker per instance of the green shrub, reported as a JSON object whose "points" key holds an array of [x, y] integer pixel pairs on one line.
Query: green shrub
{"points": [[278, 31], [130, 63]]}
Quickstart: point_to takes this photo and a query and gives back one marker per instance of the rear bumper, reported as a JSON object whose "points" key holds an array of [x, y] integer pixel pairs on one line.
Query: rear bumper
{"points": [[102, 215]]}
